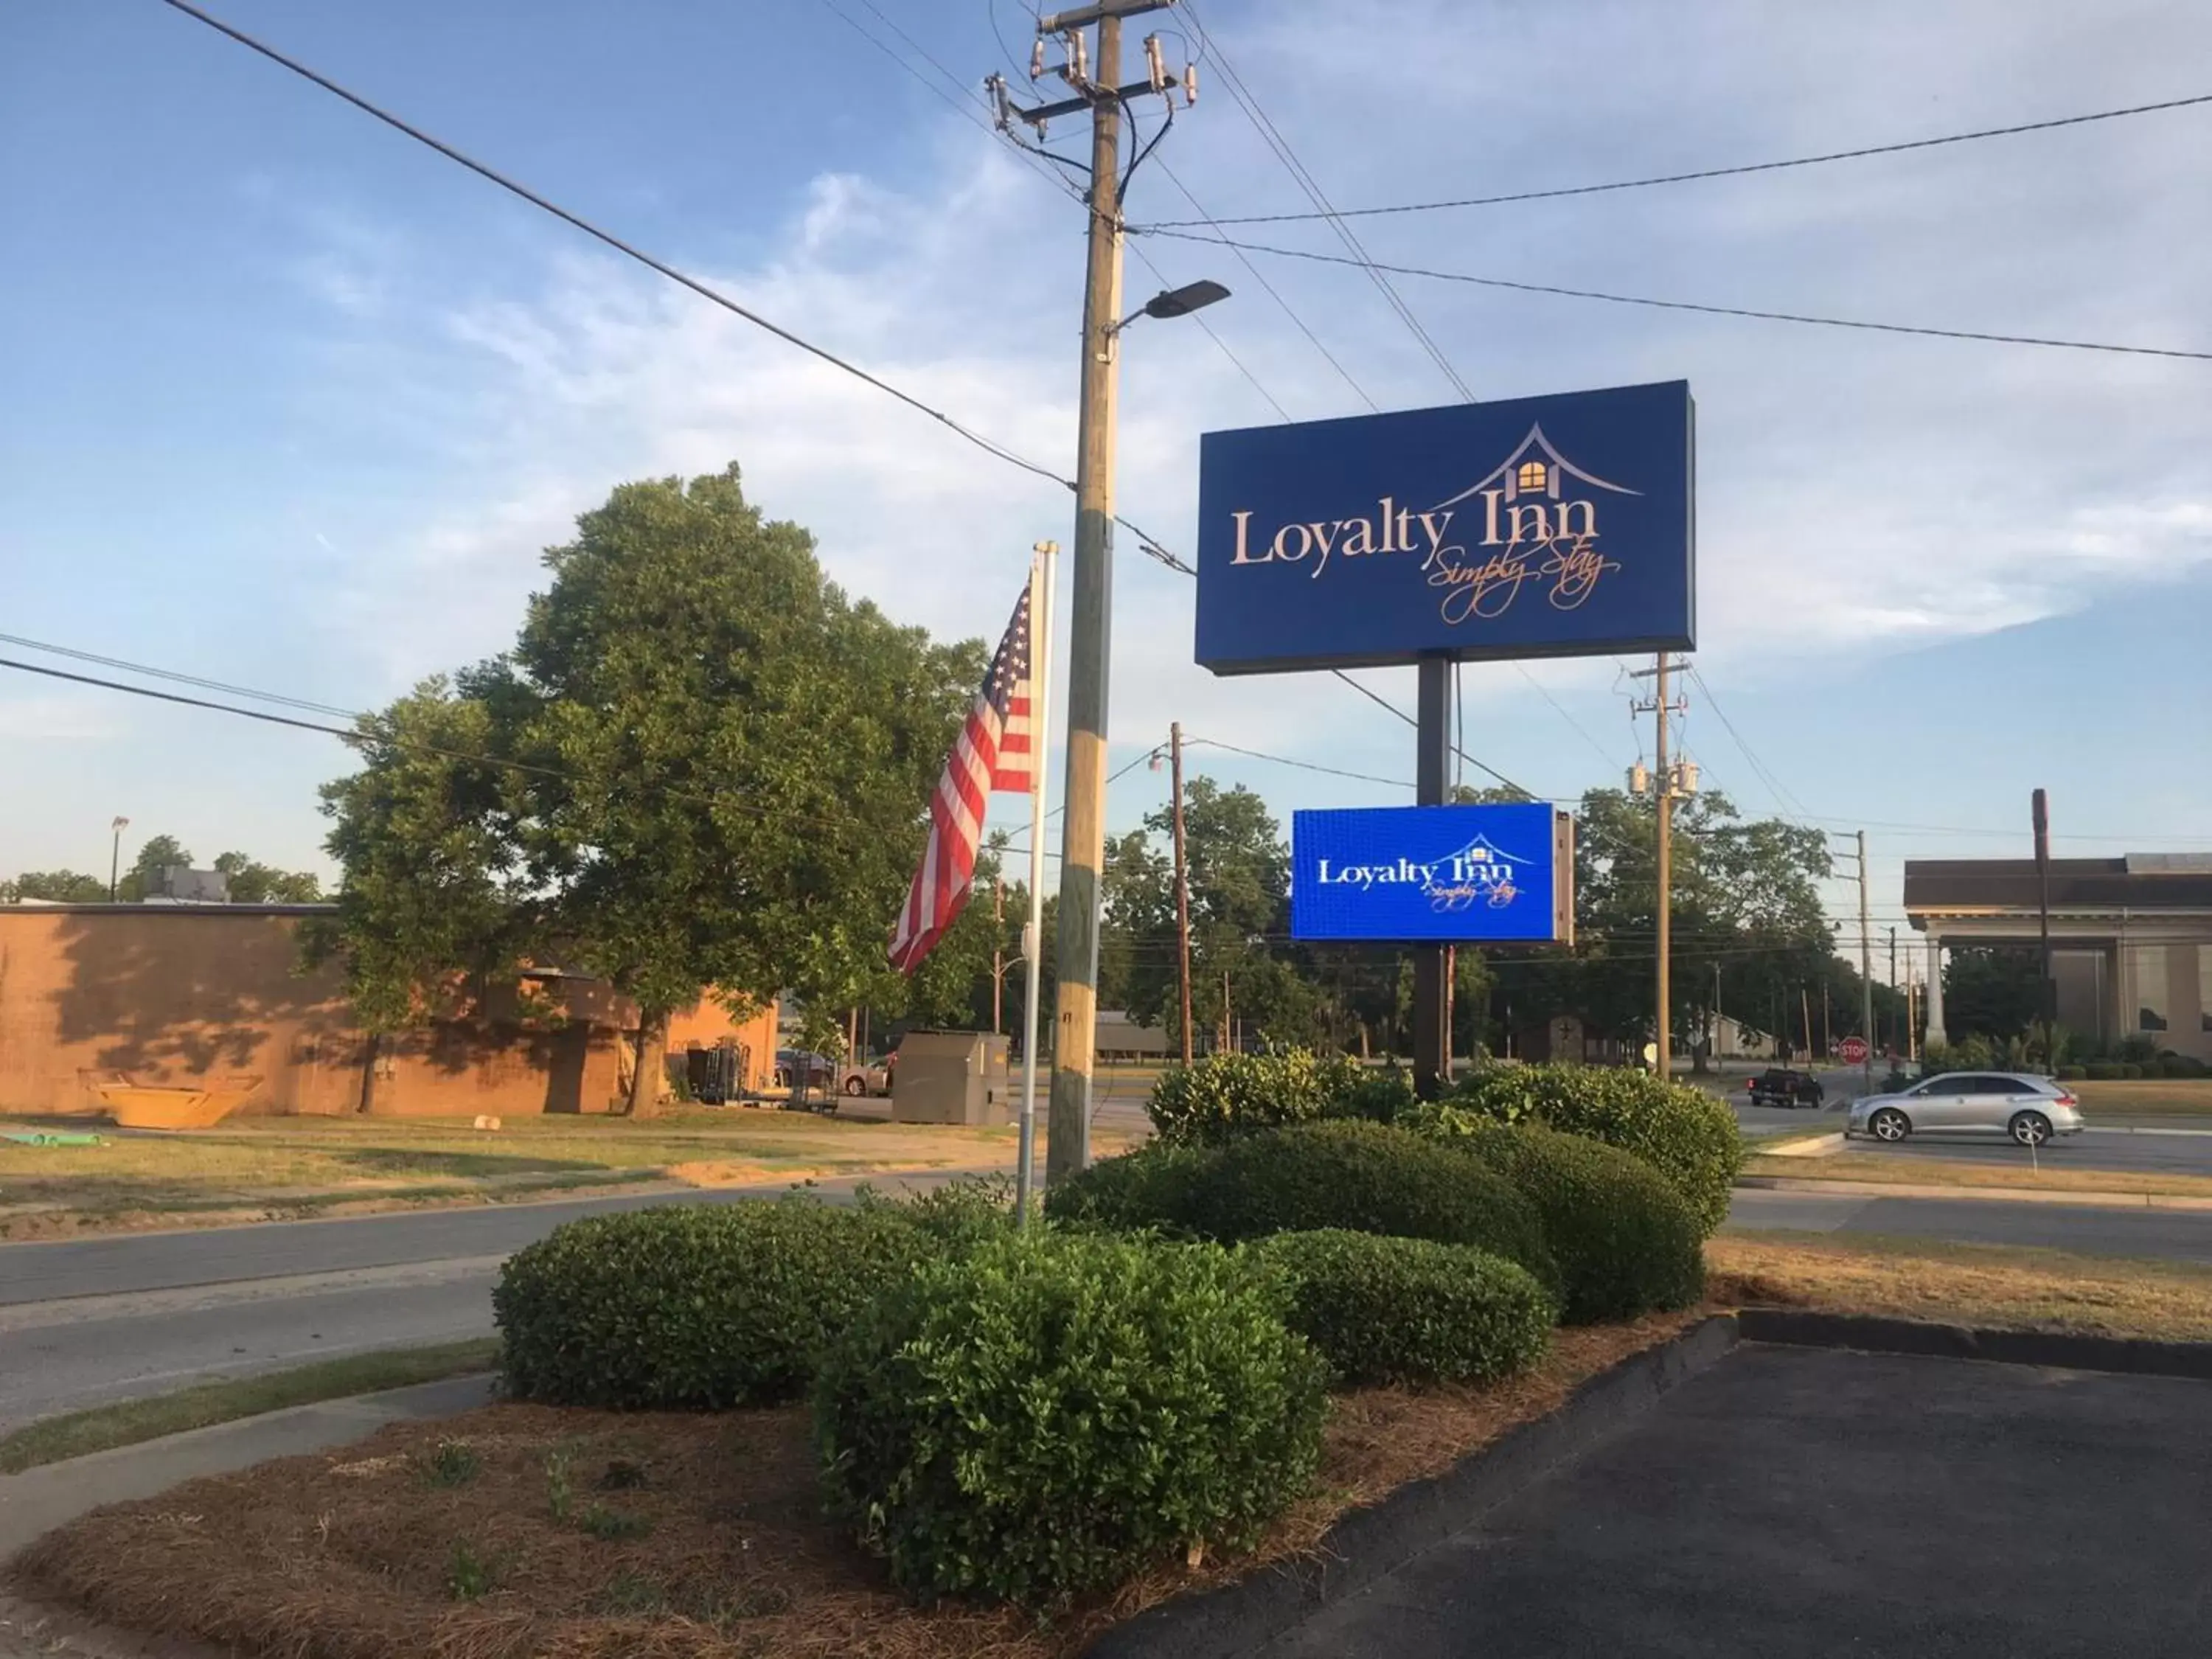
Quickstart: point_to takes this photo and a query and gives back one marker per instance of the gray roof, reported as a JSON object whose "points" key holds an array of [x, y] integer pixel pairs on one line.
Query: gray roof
{"points": [[2158, 881]]}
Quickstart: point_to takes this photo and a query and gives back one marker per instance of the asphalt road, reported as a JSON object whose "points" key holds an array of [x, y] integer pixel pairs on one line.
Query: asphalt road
{"points": [[2162, 1152], [1797, 1503], [2150, 1235], [94, 1321]]}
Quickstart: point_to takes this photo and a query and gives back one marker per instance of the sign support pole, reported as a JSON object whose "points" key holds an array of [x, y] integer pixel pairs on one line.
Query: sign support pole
{"points": [[1432, 769]]}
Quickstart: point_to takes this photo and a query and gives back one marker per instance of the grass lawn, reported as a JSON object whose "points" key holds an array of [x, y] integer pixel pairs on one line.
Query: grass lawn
{"points": [[105, 1427], [2150, 1101], [259, 1167], [2052, 1175], [1962, 1284]]}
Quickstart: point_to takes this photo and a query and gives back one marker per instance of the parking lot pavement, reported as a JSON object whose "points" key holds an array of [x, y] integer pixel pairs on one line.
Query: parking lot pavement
{"points": [[1807, 1502]]}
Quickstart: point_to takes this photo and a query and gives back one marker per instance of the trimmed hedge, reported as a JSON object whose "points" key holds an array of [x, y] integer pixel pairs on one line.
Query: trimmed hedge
{"points": [[1222, 1096], [1056, 1411], [1410, 1310], [1150, 1188], [1626, 1242], [1689, 1136], [694, 1306], [1363, 1177]]}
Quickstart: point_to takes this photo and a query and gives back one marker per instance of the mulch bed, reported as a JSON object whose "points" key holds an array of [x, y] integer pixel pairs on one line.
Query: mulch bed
{"points": [[574, 1535]]}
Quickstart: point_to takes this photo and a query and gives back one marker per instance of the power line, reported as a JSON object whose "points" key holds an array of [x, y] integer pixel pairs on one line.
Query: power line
{"points": [[1273, 293], [1686, 305], [1304, 766], [173, 676], [1703, 173], [1560, 709], [1783, 797], [1273, 137], [1146, 543]]}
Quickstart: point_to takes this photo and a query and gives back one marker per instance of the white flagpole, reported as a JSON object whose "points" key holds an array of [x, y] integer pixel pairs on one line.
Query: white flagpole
{"points": [[1033, 934]]}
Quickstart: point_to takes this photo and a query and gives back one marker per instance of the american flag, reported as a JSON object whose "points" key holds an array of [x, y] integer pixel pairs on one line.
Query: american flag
{"points": [[993, 753]]}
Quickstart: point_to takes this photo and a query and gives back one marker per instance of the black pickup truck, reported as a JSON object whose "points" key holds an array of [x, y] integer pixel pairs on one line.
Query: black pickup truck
{"points": [[1777, 1086]]}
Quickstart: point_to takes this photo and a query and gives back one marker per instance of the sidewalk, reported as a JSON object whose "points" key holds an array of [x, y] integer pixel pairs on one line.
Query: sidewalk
{"points": [[38, 1500]]}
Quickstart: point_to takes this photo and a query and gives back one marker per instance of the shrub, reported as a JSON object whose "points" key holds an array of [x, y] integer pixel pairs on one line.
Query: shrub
{"points": [[2071, 1073], [2179, 1066], [1210, 1101], [689, 1306], [1054, 1412], [1366, 1178], [1377, 1096], [1409, 1310], [2131, 1070], [960, 1214], [1624, 1240], [2102, 1071], [1689, 1136], [1147, 1188]]}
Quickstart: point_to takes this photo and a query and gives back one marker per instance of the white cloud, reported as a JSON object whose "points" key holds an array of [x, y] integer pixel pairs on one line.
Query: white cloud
{"points": [[59, 717], [1858, 493]]}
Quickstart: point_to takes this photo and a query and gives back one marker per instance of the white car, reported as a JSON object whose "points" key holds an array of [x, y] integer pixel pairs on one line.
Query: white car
{"points": [[2029, 1108]]}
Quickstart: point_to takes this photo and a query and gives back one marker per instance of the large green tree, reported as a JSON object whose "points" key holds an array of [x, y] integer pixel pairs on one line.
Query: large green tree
{"points": [[704, 768], [56, 887]]}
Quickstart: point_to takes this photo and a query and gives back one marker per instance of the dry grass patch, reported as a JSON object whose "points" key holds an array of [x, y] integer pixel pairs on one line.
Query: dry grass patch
{"points": [[1962, 1284], [529, 1531], [277, 1168], [2120, 1099], [2048, 1173]]}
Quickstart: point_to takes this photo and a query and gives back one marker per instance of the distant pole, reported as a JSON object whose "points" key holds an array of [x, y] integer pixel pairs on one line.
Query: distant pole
{"points": [[1716, 1011], [1228, 1019], [1866, 964], [2046, 1000], [1665, 784], [1892, 975], [1805, 1008], [998, 956], [115, 860], [1828, 1026], [1183, 885]]}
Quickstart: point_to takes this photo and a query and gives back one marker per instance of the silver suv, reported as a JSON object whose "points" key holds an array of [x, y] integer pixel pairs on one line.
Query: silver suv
{"points": [[2029, 1108]]}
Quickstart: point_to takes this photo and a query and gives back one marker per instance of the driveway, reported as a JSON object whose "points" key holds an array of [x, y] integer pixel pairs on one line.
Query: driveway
{"points": [[1794, 1501]]}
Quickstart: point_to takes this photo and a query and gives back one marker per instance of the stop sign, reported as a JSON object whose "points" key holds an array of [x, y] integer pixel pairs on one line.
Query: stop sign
{"points": [[1852, 1051]]}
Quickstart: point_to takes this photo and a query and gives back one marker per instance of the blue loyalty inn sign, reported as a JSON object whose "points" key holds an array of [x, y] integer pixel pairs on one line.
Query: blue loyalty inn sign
{"points": [[1434, 875], [1554, 526]]}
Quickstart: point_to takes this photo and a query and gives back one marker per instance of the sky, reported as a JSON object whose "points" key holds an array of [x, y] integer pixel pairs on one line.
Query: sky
{"points": [[293, 403]]}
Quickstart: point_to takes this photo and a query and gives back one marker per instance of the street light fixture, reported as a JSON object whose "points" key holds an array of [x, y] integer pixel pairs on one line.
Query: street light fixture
{"points": [[115, 857], [1176, 303]]}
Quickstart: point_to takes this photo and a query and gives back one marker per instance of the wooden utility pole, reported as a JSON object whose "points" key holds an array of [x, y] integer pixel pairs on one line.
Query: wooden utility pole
{"points": [[1183, 885], [1805, 1010], [998, 956]]}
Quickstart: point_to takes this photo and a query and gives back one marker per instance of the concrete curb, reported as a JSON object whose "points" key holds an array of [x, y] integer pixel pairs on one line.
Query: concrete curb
{"points": [[39, 1500], [1989, 1194], [1368, 1543], [2065, 1351]]}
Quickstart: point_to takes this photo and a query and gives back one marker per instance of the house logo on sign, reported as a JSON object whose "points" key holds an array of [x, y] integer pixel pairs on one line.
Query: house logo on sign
{"points": [[1532, 521]]}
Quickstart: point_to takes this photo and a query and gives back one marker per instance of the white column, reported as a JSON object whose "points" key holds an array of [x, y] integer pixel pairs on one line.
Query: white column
{"points": [[1935, 987]]}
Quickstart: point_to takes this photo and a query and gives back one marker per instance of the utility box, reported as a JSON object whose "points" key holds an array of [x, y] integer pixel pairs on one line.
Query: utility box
{"points": [[951, 1077]]}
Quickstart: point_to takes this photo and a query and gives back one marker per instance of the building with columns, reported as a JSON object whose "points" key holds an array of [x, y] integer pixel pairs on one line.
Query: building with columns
{"points": [[2131, 937]]}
